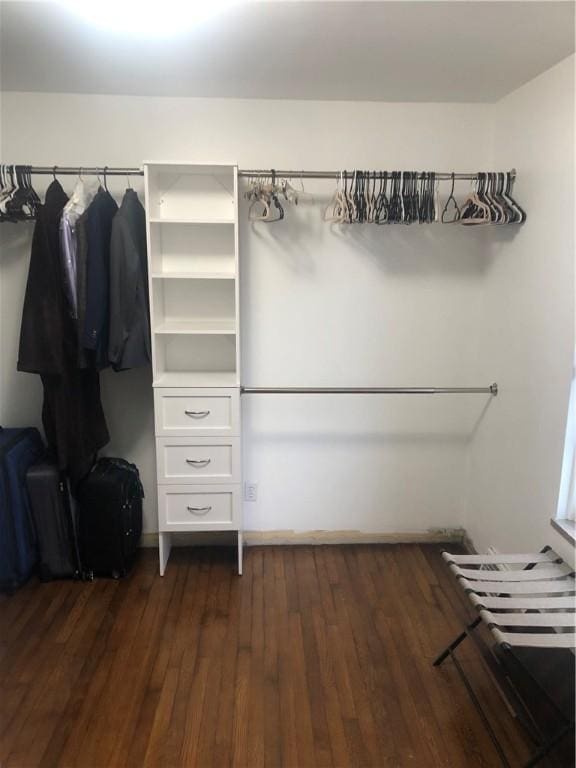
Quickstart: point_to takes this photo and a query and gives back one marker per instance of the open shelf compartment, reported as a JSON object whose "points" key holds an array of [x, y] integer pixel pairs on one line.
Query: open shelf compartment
{"points": [[194, 306], [192, 249], [195, 360], [183, 193]]}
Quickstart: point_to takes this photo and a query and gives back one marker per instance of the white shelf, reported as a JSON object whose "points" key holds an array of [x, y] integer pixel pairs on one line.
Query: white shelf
{"points": [[197, 326], [156, 220], [193, 276], [196, 379]]}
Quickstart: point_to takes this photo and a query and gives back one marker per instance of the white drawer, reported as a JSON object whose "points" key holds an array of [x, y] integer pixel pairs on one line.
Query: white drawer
{"points": [[205, 412], [202, 507], [202, 460]]}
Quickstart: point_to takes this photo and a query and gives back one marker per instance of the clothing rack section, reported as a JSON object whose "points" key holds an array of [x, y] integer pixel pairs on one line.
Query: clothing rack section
{"points": [[85, 306], [19, 201], [389, 197], [361, 197], [491, 390]]}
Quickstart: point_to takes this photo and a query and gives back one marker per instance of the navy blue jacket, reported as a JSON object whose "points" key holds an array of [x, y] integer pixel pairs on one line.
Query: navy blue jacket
{"points": [[96, 318]]}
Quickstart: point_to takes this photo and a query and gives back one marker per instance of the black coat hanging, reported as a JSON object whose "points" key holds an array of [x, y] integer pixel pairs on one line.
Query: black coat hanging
{"points": [[72, 411]]}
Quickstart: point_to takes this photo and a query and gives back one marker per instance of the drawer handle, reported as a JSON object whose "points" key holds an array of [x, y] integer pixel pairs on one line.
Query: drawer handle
{"points": [[197, 414], [199, 510], [198, 462]]}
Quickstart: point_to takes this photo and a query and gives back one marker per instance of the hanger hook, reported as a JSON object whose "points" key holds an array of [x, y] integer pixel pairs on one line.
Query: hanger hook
{"points": [[54, 172]]}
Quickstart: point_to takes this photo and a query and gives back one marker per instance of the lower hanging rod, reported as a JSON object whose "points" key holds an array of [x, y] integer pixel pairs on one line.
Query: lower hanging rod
{"points": [[490, 390]]}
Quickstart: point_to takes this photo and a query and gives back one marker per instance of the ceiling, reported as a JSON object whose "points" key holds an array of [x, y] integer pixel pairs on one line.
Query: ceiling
{"points": [[352, 50]]}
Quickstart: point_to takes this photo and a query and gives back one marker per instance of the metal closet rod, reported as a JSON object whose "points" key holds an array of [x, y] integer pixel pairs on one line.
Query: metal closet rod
{"points": [[260, 173], [490, 390], [69, 170], [257, 173]]}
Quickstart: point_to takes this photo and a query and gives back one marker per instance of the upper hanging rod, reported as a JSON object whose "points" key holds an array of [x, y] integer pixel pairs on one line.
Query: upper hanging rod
{"points": [[257, 173], [263, 173], [67, 170], [490, 390]]}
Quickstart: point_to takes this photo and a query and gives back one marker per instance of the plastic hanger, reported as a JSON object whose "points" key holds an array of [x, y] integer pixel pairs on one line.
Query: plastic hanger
{"points": [[509, 185], [383, 204], [445, 218], [10, 190], [475, 211], [336, 209]]}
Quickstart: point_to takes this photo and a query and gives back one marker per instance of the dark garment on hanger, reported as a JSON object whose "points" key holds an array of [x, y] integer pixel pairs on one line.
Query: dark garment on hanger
{"points": [[42, 330], [129, 345], [72, 412], [81, 271], [101, 211]]}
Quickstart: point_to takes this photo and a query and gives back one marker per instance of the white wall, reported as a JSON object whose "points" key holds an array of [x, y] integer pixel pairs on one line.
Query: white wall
{"points": [[363, 305], [527, 331]]}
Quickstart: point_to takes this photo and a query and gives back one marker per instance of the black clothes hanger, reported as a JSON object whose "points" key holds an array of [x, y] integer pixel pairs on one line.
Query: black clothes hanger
{"points": [[358, 198], [509, 213], [426, 206], [395, 215], [447, 218], [275, 200], [503, 216], [509, 185], [409, 198], [381, 213]]}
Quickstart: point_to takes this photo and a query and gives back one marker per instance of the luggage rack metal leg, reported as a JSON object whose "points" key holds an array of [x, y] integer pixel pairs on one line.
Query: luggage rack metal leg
{"points": [[455, 643], [474, 699]]}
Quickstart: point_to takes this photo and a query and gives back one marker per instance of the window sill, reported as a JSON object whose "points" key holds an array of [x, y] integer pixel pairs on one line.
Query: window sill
{"points": [[566, 528]]}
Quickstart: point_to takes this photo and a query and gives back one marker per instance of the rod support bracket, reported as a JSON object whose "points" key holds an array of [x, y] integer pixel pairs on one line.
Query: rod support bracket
{"points": [[494, 389]]}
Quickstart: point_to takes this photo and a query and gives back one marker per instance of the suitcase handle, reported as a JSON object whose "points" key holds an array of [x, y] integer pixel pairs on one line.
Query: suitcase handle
{"points": [[199, 510], [197, 414], [199, 463]]}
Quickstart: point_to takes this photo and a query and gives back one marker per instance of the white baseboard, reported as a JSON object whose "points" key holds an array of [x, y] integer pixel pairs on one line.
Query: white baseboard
{"points": [[292, 538]]}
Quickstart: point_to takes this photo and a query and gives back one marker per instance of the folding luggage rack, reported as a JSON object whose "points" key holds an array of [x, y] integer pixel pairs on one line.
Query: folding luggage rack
{"points": [[525, 601]]}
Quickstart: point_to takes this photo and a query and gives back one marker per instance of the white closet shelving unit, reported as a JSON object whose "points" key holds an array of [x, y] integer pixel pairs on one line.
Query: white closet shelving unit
{"points": [[192, 230]]}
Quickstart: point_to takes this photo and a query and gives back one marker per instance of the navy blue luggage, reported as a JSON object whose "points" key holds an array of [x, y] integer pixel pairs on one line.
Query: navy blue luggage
{"points": [[19, 449]]}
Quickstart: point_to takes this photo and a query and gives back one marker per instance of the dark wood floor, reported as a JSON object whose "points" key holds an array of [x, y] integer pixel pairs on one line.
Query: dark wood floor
{"points": [[317, 656]]}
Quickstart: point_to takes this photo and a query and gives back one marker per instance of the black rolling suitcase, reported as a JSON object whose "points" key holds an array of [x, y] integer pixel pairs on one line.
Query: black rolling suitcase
{"points": [[110, 517], [54, 522]]}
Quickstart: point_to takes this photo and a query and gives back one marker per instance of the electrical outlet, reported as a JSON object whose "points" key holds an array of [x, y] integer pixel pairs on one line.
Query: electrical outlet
{"points": [[250, 491]]}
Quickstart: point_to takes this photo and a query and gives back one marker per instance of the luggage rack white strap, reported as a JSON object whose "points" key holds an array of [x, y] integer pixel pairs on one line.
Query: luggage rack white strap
{"points": [[503, 559], [559, 586], [535, 574], [535, 640], [533, 619], [523, 603]]}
